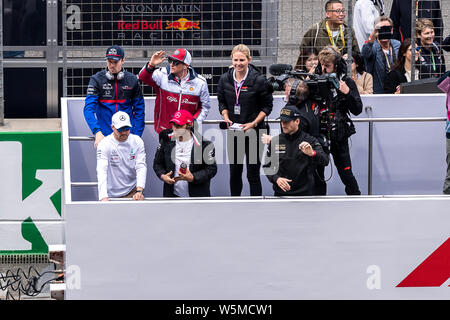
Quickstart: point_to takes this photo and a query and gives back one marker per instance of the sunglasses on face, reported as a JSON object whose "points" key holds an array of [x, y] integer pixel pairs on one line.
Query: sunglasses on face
{"points": [[174, 62], [124, 129]]}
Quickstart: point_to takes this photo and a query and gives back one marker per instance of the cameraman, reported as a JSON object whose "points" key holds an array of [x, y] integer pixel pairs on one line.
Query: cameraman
{"points": [[298, 94], [336, 124], [380, 52]]}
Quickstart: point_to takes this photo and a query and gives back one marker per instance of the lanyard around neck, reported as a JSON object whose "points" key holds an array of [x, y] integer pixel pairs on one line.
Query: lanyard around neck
{"points": [[238, 92], [388, 62], [432, 60], [330, 35], [417, 9]]}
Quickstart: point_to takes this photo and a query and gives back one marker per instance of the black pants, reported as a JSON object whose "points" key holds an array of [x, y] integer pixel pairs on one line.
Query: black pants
{"points": [[248, 144], [343, 164]]}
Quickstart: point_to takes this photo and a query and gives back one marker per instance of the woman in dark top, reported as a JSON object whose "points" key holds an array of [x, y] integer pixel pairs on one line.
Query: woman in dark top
{"points": [[401, 72], [245, 99], [431, 62]]}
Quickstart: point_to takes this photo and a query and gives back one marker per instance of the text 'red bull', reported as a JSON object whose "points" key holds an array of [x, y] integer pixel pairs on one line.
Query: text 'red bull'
{"points": [[140, 25]]}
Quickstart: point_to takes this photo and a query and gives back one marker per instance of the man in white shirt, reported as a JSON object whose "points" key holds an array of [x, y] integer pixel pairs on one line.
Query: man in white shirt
{"points": [[121, 164], [364, 14]]}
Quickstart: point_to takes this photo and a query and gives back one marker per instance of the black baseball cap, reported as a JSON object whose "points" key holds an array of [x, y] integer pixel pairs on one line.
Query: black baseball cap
{"points": [[289, 113], [115, 53]]}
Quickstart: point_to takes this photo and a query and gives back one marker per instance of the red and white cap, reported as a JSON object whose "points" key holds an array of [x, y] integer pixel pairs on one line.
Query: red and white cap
{"points": [[182, 55], [181, 117]]}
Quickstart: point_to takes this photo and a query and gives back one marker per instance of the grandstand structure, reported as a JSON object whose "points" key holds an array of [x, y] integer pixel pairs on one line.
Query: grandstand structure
{"points": [[69, 38]]}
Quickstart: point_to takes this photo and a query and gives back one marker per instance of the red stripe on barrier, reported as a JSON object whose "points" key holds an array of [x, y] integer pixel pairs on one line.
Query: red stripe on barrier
{"points": [[433, 272]]}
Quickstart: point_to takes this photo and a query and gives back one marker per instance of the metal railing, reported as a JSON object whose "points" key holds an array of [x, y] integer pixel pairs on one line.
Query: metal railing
{"points": [[370, 122]]}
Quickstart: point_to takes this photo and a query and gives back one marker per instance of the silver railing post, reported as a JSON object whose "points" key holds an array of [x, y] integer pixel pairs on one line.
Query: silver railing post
{"points": [[413, 40], [370, 160], [349, 37]]}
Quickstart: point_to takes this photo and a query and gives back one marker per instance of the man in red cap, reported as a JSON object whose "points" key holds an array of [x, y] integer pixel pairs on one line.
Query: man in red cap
{"points": [[184, 161], [177, 86]]}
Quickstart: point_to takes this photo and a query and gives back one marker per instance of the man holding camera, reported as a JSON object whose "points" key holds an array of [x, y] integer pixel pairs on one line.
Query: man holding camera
{"points": [[292, 156], [380, 52], [335, 122], [297, 93]]}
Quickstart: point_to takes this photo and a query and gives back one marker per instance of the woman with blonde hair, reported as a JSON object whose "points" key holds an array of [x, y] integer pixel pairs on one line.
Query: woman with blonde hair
{"points": [[245, 99]]}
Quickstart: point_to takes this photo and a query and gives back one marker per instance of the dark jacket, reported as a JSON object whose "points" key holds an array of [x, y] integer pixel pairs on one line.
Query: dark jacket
{"points": [[346, 103], [105, 97], [425, 63], [342, 104], [394, 79], [401, 12], [203, 169], [317, 37], [309, 118], [284, 159], [255, 96], [446, 44], [351, 102]]}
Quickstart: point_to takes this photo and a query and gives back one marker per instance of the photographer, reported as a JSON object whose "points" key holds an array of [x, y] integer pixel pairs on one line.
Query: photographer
{"points": [[298, 94], [380, 52], [334, 115]]}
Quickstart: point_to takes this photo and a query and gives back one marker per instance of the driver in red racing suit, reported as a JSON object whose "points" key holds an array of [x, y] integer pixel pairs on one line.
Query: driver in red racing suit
{"points": [[178, 87]]}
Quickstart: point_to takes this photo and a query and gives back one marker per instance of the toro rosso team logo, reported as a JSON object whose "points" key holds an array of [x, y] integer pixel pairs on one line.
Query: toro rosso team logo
{"points": [[183, 24]]}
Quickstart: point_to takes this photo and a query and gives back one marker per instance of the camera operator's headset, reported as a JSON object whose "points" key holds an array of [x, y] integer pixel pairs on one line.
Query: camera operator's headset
{"points": [[292, 93]]}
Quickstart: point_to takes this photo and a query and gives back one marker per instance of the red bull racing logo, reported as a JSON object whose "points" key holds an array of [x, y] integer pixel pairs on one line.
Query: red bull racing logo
{"points": [[182, 24]]}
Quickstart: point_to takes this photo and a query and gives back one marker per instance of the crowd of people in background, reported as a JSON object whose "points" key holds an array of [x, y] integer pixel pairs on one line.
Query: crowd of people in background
{"points": [[377, 38], [382, 58]]}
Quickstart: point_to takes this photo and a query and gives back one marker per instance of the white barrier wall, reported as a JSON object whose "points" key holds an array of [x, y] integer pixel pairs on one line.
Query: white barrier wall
{"points": [[335, 248], [266, 248], [408, 157]]}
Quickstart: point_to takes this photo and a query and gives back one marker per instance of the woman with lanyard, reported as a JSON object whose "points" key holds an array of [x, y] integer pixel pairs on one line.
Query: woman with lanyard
{"points": [[245, 99], [431, 60]]}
